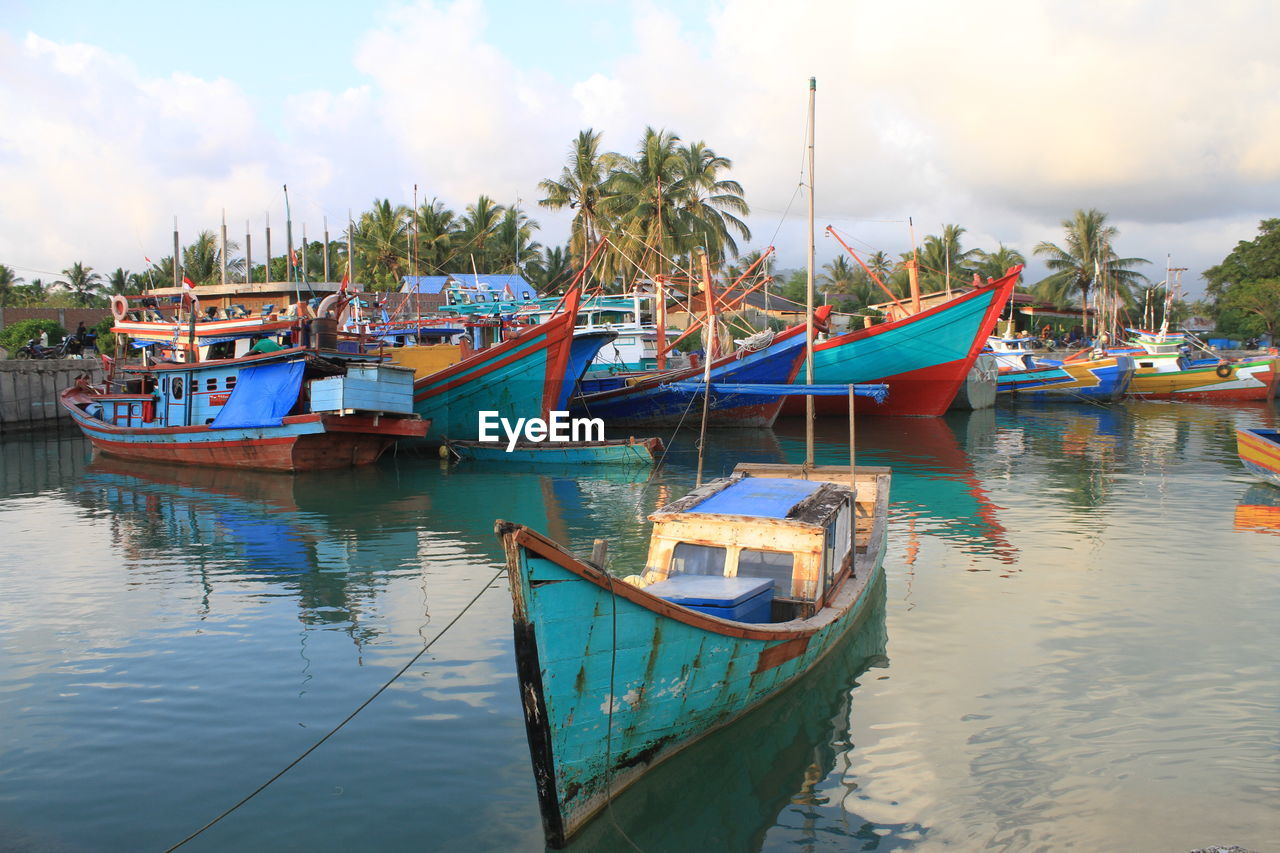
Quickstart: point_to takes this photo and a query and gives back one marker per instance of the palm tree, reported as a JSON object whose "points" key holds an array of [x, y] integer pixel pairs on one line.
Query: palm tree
{"points": [[31, 294], [1088, 256], [641, 204], [8, 281], [940, 255], [119, 282], [202, 260], [708, 204], [379, 241], [479, 227], [437, 231], [83, 283], [551, 270], [581, 186], [513, 239], [996, 264]]}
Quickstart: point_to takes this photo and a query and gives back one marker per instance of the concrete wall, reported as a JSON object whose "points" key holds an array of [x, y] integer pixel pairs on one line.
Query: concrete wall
{"points": [[29, 391]]}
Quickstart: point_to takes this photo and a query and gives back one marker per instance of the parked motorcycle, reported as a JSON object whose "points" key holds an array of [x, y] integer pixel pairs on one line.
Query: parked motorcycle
{"points": [[69, 348]]}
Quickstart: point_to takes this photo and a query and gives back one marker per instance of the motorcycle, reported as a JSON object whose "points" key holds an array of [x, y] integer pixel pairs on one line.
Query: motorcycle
{"points": [[69, 348]]}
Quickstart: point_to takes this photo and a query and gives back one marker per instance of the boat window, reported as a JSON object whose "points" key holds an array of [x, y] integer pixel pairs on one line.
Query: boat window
{"points": [[829, 551], [229, 382], [176, 387], [211, 384], [768, 564], [690, 559]]}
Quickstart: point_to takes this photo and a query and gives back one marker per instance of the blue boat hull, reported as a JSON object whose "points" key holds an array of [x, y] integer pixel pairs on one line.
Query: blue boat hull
{"points": [[1100, 382], [655, 402]]}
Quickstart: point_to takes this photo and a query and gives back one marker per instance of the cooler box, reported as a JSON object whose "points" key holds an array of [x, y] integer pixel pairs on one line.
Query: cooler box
{"points": [[739, 599]]}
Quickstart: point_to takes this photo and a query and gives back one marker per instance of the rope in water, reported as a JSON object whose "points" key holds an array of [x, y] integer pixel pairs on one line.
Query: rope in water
{"points": [[349, 718]]}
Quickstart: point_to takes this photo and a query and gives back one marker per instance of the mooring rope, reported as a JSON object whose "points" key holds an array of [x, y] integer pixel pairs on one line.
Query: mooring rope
{"points": [[349, 718]]}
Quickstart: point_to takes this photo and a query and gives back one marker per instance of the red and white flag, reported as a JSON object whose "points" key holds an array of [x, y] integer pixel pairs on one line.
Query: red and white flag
{"points": [[188, 284], [346, 279], [148, 260]]}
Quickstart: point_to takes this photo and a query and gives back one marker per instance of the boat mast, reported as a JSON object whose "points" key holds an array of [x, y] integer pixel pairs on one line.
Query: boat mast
{"points": [[808, 315], [706, 358]]}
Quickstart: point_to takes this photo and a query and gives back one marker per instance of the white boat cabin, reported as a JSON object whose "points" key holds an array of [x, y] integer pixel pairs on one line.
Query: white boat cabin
{"points": [[760, 546]]}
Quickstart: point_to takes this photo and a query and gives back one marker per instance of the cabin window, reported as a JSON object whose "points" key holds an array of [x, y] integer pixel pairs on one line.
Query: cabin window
{"points": [[690, 559], [768, 564], [230, 382], [211, 384], [829, 551], [176, 387]]}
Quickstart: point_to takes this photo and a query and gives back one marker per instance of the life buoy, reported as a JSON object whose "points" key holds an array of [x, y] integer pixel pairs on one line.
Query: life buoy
{"points": [[1224, 369], [119, 307]]}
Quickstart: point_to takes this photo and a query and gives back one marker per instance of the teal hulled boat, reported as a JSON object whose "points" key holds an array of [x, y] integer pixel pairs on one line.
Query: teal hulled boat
{"points": [[750, 581]]}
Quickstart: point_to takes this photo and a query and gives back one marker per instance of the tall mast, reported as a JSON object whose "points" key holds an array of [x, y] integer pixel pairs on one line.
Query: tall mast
{"points": [[808, 315]]}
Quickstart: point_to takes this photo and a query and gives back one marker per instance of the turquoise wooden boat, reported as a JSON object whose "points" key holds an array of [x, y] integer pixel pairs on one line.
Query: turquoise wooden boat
{"points": [[622, 451], [749, 583]]}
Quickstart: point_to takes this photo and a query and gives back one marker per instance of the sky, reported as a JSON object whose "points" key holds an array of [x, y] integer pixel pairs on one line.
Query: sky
{"points": [[1001, 117]]}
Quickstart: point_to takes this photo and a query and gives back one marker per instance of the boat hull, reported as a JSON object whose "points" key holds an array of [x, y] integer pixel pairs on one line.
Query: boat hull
{"points": [[1102, 381], [644, 451], [1245, 382], [656, 402], [923, 358], [1259, 451], [522, 377], [613, 680], [301, 443]]}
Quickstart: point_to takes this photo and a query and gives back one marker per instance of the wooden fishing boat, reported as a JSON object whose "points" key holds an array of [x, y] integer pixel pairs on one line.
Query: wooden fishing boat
{"points": [[524, 376], [291, 410], [1177, 366], [923, 358], [1101, 380], [750, 581], [1259, 451], [622, 451], [670, 398]]}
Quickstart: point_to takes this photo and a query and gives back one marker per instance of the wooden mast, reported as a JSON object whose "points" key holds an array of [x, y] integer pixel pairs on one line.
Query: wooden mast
{"points": [[808, 316]]}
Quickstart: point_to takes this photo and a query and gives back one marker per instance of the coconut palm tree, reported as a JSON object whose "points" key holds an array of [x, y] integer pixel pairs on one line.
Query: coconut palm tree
{"points": [[8, 281], [379, 241], [1087, 257], [941, 255], [477, 243], [120, 282], [641, 203], [513, 245], [551, 271], [996, 264], [202, 260], [437, 229], [83, 283], [709, 204], [581, 187]]}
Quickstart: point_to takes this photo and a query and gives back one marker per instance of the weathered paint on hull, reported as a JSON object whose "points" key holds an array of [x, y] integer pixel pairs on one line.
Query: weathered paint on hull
{"points": [[1103, 380], [923, 358], [302, 443], [621, 452], [522, 377], [655, 403], [604, 704], [1259, 451], [1247, 382]]}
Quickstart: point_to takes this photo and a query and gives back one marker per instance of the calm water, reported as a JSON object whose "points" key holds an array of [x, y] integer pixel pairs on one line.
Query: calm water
{"points": [[1076, 647]]}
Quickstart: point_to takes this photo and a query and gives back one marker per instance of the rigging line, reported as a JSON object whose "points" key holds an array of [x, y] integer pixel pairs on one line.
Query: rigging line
{"points": [[608, 743], [349, 718]]}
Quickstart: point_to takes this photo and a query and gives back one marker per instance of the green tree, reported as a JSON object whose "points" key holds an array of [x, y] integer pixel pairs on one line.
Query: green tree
{"points": [[1251, 260], [8, 282], [437, 229], [1259, 302], [202, 260], [710, 205], [514, 239], [83, 283], [581, 187], [120, 282], [991, 265], [642, 193], [1085, 261], [551, 271], [379, 241], [478, 234], [941, 255]]}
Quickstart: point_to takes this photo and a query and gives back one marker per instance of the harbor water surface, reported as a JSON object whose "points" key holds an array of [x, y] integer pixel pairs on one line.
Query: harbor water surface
{"points": [[1076, 646]]}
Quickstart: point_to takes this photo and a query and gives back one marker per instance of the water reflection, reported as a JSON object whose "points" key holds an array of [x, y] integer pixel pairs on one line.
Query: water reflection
{"points": [[729, 790], [1259, 510]]}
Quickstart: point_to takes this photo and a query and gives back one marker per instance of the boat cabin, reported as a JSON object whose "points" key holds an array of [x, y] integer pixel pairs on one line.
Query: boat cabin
{"points": [[753, 548], [1014, 353]]}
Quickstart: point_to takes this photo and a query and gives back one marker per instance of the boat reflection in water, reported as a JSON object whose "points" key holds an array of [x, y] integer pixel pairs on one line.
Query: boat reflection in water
{"points": [[935, 489], [727, 791], [1259, 510]]}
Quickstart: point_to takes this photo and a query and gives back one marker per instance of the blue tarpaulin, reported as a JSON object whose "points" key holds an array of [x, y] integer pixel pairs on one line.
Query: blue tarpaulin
{"points": [[761, 497], [263, 395]]}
